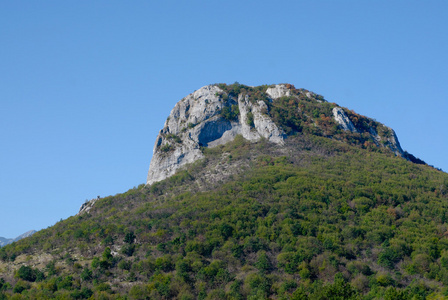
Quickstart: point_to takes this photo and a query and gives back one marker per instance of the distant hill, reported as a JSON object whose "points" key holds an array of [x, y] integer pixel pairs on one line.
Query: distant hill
{"points": [[311, 208], [5, 241]]}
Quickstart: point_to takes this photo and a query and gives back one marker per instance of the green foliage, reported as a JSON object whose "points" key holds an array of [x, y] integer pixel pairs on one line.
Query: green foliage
{"points": [[86, 274], [65, 283], [164, 263], [29, 274], [129, 237], [263, 263], [230, 113], [84, 293], [388, 257], [174, 137], [127, 249], [285, 227], [21, 286], [340, 289], [167, 148], [250, 119], [298, 113], [395, 294], [299, 294], [107, 255]]}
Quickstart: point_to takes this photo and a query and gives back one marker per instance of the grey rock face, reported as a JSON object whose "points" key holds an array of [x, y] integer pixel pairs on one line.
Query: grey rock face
{"points": [[342, 119], [210, 117], [278, 91], [263, 126], [392, 143], [197, 121], [86, 206], [389, 140]]}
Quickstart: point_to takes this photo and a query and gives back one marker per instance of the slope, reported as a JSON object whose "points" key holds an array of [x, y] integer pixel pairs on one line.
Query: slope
{"points": [[317, 218]]}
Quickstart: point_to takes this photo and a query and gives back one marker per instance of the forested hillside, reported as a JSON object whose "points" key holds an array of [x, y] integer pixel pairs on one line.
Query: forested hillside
{"points": [[315, 219]]}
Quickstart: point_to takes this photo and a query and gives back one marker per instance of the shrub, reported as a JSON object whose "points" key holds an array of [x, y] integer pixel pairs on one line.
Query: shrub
{"points": [[230, 113], [86, 274], [84, 293], [127, 249], [250, 119], [167, 148], [129, 237], [21, 286], [29, 274], [388, 257], [263, 263], [164, 263], [125, 265]]}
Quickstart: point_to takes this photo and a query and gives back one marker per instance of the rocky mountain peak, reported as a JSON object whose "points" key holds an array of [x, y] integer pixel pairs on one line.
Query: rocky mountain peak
{"points": [[216, 114]]}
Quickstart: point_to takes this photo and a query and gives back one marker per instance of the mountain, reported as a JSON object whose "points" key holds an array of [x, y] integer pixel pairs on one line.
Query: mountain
{"points": [[215, 114], [5, 241], [308, 201]]}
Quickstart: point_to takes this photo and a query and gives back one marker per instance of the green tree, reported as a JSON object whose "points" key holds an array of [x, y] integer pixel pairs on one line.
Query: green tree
{"points": [[263, 263], [129, 237], [340, 289], [27, 273], [395, 294], [21, 286], [86, 274]]}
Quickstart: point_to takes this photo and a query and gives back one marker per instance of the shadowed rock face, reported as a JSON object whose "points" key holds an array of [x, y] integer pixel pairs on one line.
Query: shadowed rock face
{"points": [[213, 131], [198, 120]]}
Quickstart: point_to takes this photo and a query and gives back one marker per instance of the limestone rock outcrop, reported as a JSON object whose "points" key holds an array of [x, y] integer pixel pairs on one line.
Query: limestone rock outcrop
{"points": [[215, 115], [198, 121], [389, 138], [342, 119]]}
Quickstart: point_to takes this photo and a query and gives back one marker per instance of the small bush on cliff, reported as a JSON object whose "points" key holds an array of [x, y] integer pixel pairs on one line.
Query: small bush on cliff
{"points": [[167, 148], [230, 113], [250, 119]]}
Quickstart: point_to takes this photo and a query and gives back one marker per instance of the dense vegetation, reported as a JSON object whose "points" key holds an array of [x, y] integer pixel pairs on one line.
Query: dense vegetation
{"points": [[318, 220], [305, 112], [331, 215]]}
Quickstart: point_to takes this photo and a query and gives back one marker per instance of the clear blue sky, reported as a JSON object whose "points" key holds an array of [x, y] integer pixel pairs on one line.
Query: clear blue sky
{"points": [[86, 85]]}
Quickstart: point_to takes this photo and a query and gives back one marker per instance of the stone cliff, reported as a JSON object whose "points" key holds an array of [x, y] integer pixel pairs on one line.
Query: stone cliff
{"points": [[215, 114]]}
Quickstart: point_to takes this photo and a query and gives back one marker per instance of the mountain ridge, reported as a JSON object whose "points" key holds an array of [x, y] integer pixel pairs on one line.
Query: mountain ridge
{"points": [[6, 241], [215, 114], [311, 210]]}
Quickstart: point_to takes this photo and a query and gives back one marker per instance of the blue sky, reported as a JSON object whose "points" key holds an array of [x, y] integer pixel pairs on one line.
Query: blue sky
{"points": [[86, 85]]}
